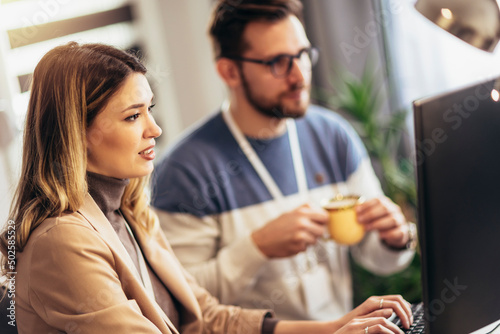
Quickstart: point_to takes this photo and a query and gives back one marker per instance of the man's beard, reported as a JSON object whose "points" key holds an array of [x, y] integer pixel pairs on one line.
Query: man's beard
{"points": [[270, 109]]}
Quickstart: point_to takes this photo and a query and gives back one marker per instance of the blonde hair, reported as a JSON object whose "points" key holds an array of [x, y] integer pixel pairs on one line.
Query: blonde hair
{"points": [[71, 84]]}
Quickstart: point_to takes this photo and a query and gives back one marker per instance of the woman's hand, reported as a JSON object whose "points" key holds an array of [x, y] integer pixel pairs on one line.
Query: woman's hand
{"points": [[382, 307], [369, 317], [370, 325]]}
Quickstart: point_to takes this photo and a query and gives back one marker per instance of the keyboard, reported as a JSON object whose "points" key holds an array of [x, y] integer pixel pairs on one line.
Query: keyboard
{"points": [[418, 326]]}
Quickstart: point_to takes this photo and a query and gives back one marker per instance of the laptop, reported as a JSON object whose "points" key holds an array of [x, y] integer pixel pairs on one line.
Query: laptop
{"points": [[457, 140]]}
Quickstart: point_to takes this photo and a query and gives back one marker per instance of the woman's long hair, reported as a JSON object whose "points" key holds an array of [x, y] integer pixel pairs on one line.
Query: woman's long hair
{"points": [[71, 85]]}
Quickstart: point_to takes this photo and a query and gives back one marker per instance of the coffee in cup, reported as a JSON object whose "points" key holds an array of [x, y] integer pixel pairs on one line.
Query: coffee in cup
{"points": [[343, 225]]}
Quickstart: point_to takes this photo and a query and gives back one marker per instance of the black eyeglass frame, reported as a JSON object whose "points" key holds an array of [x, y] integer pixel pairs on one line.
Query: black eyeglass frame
{"points": [[313, 56]]}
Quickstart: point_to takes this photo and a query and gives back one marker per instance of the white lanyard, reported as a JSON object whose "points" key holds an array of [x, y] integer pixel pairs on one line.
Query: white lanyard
{"points": [[263, 173], [257, 164], [146, 280]]}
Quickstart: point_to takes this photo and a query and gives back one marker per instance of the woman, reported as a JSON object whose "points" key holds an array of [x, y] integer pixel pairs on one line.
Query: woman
{"points": [[90, 255]]}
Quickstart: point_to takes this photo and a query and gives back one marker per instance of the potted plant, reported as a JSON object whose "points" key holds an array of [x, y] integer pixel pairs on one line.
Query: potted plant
{"points": [[360, 100]]}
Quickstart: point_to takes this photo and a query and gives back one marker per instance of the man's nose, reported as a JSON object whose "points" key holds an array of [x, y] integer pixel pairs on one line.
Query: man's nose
{"points": [[299, 71]]}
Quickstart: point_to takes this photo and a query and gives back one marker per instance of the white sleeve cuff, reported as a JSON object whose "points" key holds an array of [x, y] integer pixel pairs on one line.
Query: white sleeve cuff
{"points": [[378, 258]]}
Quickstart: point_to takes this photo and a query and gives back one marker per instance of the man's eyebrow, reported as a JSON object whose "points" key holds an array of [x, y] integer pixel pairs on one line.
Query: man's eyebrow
{"points": [[272, 57]]}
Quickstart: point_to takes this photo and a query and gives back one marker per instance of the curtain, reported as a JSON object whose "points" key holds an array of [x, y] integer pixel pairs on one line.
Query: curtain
{"points": [[348, 33], [350, 36]]}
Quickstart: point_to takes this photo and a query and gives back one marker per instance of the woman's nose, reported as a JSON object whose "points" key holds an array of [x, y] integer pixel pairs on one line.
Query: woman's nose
{"points": [[152, 129]]}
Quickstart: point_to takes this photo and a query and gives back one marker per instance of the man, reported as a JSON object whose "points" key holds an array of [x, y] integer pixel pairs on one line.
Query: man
{"points": [[238, 196]]}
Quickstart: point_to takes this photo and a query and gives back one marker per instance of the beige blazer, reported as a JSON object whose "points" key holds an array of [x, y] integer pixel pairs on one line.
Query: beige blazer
{"points": [[75, 276]]}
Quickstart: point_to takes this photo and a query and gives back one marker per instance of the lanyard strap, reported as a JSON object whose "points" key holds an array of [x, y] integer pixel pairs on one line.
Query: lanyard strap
{"points": [[146, 280], [257, 164], [298, 164]]}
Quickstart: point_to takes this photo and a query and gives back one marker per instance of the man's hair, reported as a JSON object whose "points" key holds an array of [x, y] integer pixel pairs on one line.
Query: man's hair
{"points": [[230, 18]]}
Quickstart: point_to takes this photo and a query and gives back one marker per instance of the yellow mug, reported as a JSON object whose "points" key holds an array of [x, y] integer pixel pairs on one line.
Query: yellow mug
{"points": [[343, 226]]}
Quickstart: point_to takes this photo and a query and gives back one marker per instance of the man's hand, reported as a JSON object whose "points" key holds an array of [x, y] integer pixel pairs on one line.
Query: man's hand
{"points": [[291, 232], [382, 215]]}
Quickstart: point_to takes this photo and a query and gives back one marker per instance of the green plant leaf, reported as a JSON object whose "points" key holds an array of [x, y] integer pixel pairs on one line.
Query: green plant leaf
{"points": [[361, 100]]}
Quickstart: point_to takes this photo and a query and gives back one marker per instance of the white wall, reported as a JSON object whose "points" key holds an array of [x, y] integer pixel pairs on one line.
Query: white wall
{"points": [[176, 41], [9, 140], [197, 85], [5, 190], [8, 177]]}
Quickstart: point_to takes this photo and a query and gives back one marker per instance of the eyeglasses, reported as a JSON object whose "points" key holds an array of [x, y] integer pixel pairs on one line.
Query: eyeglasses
{"points": [[281, 65]]}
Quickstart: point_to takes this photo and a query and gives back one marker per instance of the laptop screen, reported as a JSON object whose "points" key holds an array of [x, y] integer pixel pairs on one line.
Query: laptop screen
{"points": [[457, 137]]}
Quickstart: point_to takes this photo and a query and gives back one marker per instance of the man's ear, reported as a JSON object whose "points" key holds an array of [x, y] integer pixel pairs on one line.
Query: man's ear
{"points": [[229, 72]]}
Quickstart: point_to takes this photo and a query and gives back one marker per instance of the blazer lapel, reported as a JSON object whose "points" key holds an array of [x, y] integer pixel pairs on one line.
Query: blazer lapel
{"points": [[167, 267], [91, 212]]}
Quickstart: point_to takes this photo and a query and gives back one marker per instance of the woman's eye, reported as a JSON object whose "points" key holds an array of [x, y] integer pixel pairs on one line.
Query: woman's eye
{"points": [[133, 117], [150, 108]]}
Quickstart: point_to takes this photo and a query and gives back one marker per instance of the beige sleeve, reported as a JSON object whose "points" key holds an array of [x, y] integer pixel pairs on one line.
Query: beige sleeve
{"points": [[218, 318]]}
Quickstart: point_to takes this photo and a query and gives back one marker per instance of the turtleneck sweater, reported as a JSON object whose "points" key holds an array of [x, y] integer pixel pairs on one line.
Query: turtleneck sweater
{"points": [[107, 192]]}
